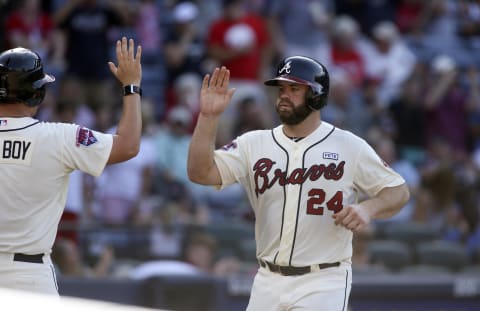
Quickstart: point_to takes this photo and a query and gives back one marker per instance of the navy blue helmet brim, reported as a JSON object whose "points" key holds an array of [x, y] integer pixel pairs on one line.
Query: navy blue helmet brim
{"points": [[46, 79]]}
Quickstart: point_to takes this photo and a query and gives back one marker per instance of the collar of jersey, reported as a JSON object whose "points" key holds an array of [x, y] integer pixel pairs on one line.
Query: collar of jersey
{"points": [[8, 123], [321, 131]]}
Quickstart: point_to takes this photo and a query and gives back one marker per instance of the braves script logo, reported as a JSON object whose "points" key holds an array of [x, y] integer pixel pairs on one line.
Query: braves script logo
{"points": [[85, 137], [287, 68], [263, 167]]}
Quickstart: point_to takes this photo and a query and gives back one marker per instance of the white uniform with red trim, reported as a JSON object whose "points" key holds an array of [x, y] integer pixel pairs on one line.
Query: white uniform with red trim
{"points": [[36, 159], [294, 189]]}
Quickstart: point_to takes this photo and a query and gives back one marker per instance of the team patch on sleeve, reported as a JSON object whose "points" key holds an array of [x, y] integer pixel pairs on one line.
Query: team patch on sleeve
{"points": [[85, 137]]}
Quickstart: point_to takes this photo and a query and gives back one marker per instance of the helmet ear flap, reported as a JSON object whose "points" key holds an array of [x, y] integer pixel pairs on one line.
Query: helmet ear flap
{"points": [[3, 89], [36, 97], [314, 100]]}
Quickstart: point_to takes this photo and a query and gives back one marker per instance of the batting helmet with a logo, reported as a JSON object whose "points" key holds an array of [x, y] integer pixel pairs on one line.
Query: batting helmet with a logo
{"points": [[22, 78], [305, 70]]}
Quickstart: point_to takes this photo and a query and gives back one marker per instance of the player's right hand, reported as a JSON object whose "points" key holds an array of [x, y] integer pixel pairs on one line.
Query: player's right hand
{"points": [[129, 70], [354, 217], [215, 94]]}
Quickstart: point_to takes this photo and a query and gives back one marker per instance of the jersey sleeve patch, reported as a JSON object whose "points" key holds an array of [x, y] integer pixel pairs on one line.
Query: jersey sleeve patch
{"points": [[85, 137]]}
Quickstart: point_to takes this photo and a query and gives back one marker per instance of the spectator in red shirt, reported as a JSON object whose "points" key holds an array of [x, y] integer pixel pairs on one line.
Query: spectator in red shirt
{"points": [[408, 16], [344, 49], [239, 40], [29, 27]]}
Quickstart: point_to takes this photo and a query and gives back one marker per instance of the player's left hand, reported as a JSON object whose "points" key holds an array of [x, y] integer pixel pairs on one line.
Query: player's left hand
{"points": [[353, 217], [215, 94], [129, 70]]}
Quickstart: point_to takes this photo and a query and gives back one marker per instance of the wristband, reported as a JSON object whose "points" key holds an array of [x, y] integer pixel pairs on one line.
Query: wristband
{"points": [[131, 89]]}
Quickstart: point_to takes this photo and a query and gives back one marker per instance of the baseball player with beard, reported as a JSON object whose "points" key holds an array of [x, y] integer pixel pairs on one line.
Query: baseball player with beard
{"points": [[302, 180], [37, 157]]}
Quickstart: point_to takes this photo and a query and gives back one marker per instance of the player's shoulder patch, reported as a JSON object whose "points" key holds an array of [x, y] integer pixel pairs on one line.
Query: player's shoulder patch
{"points": [[85, 136]]}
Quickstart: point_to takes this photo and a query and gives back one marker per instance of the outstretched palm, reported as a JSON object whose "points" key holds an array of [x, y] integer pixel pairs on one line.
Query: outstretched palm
{"points": [[129, 70], [215, 94]]}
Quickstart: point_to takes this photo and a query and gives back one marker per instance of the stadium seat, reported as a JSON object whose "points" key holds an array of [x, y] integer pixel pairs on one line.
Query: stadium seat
{"points": [[394, 255], [444, 254], [476, 255], [248, 250], [411, 233], [369, 270], [422, 269], [229, 236], [472, 270]]}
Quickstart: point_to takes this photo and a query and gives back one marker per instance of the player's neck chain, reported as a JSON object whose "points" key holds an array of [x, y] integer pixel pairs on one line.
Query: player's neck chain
{"points": [[296, 139]]}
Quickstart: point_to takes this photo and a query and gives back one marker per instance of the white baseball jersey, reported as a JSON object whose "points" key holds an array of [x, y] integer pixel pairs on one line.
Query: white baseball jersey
{"points": [[296, 187], [36, 159]]}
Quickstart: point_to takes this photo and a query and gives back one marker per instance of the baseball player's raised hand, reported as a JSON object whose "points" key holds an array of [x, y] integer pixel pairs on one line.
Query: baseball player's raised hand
{"points": [[353, 217], [129, 70], [215, 94]]}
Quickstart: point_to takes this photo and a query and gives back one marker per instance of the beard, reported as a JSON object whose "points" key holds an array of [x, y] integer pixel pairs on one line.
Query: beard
{"points": [[295, 116]]}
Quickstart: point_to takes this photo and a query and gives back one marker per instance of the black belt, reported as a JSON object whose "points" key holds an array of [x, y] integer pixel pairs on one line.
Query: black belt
{"points": [[291, 270], [37, 258]]}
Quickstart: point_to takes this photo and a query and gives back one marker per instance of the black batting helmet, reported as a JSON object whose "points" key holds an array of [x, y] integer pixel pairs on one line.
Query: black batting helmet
{"points": [[305, 70], [22, 78]]}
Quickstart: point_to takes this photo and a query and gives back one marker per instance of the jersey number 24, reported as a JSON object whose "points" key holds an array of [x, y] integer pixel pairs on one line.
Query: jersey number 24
{"points": [[317, 198]]}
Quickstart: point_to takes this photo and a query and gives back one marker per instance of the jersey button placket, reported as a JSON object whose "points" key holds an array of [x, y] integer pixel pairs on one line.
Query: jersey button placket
{"points": [[291, 205]]}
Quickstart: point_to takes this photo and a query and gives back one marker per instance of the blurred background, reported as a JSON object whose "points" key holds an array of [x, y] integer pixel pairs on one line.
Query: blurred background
{"points": [[404, 75]]}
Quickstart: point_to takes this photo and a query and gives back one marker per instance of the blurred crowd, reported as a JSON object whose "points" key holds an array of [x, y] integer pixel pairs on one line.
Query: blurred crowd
{"points": [[403, 75]]}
